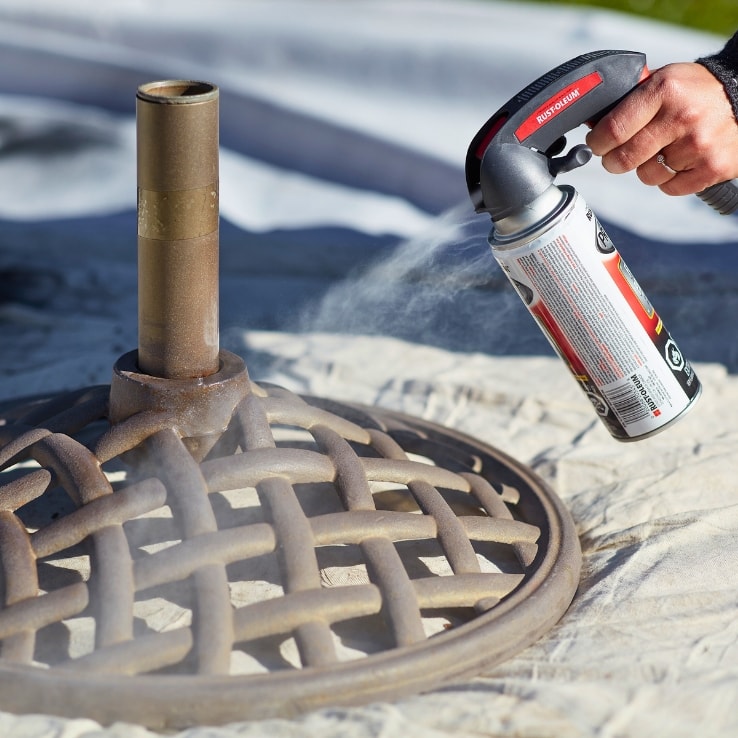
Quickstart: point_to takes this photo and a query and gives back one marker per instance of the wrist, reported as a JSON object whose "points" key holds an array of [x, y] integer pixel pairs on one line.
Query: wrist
{"points": [[724, 67]]}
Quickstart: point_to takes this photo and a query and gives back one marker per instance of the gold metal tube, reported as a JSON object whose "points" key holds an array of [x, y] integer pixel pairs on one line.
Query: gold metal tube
{"points": [[178, 216]]}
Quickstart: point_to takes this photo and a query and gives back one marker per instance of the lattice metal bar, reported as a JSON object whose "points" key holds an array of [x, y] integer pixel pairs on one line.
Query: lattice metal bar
{"points": [[110, 510], [499, 530], [28, 485], [298, 564], [297, 465], [350, 478], [286, 614], [185, 485], [111, 583], [362, 524], [83, 481], [131, 433], [404, 472], [224, 546], [296, 549], [462, 589], [315, 644], [281, 411], [495, 506], [212, 618], [451, 534], [19, 581], [445, 455], [146, 653], [69, 412], [88, 406], [253, 424], [34, 614], [399, 604], [16, 440]]}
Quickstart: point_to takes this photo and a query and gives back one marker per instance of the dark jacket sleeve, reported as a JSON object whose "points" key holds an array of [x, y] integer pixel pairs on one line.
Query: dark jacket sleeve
{"points": [[724, 65]]}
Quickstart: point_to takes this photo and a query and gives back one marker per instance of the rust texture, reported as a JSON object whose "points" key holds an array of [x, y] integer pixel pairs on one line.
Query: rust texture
{"points": [[177, 150], [317, 554]]}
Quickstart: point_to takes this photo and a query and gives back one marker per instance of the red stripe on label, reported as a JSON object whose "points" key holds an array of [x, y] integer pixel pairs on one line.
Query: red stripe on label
{"points": [[557, 104]]}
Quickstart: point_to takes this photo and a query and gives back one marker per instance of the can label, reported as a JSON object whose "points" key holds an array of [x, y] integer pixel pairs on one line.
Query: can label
{"points": [[598, 319]]}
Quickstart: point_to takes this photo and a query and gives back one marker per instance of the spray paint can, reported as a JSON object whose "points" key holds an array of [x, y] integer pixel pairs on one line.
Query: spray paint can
{"points": [[559, 258], [581, 293]]}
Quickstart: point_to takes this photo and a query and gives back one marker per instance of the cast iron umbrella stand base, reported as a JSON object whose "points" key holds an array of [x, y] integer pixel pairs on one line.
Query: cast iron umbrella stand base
{"points": [[187, 546]]}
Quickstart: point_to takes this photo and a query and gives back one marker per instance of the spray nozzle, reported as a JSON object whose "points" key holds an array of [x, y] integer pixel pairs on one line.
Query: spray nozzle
{"points": [[512, 177]]}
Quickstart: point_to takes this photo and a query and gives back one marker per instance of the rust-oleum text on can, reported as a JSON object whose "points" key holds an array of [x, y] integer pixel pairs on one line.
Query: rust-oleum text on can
{"points": [[598, 319]]}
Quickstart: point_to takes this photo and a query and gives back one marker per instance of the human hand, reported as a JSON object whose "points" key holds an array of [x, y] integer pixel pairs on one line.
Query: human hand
{"points": [[680, 113]]}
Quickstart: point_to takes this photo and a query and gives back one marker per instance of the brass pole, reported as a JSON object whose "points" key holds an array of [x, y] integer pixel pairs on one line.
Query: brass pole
{"points": [[177, 153]]}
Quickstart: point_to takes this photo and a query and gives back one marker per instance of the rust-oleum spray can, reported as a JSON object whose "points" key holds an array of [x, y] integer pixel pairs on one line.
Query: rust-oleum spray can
{"points": [[585, 299], [562, 262]]}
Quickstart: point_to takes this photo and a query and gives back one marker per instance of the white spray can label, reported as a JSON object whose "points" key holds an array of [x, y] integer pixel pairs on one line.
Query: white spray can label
{"points": [[598, 319]]}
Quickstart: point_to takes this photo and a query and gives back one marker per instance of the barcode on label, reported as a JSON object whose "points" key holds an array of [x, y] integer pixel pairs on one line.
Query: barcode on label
{"points": [[628, 403]]}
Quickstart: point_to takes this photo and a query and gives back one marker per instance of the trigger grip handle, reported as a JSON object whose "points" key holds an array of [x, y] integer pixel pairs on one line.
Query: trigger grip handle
{"points": [[723, 197], [576, 157]]}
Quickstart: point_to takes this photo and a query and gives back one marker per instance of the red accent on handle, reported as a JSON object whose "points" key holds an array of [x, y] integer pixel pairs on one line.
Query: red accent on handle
{"points": [[557, 104], [491, 133]]}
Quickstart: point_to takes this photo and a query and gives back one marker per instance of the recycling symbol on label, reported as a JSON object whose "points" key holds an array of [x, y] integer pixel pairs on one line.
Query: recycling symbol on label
{"points": [[674, 356]]}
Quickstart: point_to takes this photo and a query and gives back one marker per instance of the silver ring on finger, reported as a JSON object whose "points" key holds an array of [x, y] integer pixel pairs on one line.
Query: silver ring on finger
{"points": [[661, 159]]}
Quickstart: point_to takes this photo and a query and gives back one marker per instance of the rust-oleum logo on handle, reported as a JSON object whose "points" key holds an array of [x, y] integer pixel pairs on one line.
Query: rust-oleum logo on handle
{"points": [[557, 104]]}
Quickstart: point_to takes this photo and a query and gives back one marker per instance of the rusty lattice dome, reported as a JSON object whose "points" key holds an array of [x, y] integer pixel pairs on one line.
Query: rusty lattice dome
{"points": [[317, 553]]}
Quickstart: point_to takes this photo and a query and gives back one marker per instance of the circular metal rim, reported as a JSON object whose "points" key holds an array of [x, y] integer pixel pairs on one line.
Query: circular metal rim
{"points": [[178, 92], [170, 702]]}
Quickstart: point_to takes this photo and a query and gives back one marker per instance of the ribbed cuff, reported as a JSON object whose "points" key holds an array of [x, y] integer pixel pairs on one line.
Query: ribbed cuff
{"points": [[724, 66]]}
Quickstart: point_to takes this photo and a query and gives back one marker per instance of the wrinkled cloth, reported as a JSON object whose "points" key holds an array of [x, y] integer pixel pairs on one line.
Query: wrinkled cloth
{"points": [[650, 641], [357, 272]]}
